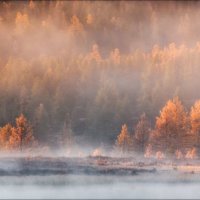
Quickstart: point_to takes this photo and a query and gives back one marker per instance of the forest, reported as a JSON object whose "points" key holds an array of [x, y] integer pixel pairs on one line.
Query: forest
{"points": [[126, 78]]}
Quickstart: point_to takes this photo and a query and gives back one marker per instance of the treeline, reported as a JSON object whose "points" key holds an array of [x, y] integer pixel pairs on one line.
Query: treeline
{"points": [[71, 68], [176, 133], [19, 137]]}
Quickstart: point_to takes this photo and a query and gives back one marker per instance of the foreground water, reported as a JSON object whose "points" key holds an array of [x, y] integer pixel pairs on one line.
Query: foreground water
{"points": [[86, 186], [88, 178]]}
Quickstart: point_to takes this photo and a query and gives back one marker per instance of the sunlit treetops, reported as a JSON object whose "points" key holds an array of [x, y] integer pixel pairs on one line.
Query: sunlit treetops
{"points": [[175, 134]]}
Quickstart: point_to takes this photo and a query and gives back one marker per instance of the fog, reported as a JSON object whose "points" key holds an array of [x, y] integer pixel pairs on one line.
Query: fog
{"points": [[68, 64], [86, 177], [99, 99], [97, 187]]}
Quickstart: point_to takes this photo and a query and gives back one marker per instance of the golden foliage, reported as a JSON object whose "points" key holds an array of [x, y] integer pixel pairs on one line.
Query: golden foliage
{"points": [[172, 125], [124, 141], [76, 27], [172, 117], [195, 118], [5, 133], [19, 137]]}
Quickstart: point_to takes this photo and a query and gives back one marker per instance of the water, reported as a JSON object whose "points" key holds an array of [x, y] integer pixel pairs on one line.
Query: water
{"points": [[88, 178], [98, 187]]}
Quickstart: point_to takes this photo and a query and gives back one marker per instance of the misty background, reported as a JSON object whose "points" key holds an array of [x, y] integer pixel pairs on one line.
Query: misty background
{"points": [[92, 66]]}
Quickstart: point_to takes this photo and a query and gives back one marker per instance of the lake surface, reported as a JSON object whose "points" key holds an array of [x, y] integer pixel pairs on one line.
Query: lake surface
{"points": [[90, 186], [97, 178]]}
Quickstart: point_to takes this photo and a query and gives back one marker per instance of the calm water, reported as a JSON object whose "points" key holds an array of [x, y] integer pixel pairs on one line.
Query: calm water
{"points": [[85, 186]]}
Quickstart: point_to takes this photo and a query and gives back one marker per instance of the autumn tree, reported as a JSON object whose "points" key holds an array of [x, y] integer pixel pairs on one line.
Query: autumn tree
{"points": [[5, 133], [76, 27], [172, 126], [195, 122], [141, 136], [124, 142], [22, 135]]}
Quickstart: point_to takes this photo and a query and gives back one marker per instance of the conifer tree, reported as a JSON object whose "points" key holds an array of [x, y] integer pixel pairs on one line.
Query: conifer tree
{"points": [[172, 125], [141, 136], [5, 133], [195, 122], [124, 142], [22, 135]]}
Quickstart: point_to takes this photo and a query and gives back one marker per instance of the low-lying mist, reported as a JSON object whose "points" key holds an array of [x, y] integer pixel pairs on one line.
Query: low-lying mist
{"points": [[84, 187]]}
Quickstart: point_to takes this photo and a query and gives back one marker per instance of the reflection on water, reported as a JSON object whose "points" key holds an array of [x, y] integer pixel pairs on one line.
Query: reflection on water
{"points": [[82, 186]]}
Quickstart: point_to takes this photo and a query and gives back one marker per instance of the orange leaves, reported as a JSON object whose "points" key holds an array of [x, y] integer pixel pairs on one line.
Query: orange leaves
{"points": [[172, 117], [172, 125], [195, 117], [137, 141], [175, 131], [124, 141], [5, 133], [76, 27], [19, 137], [14, 140]]}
